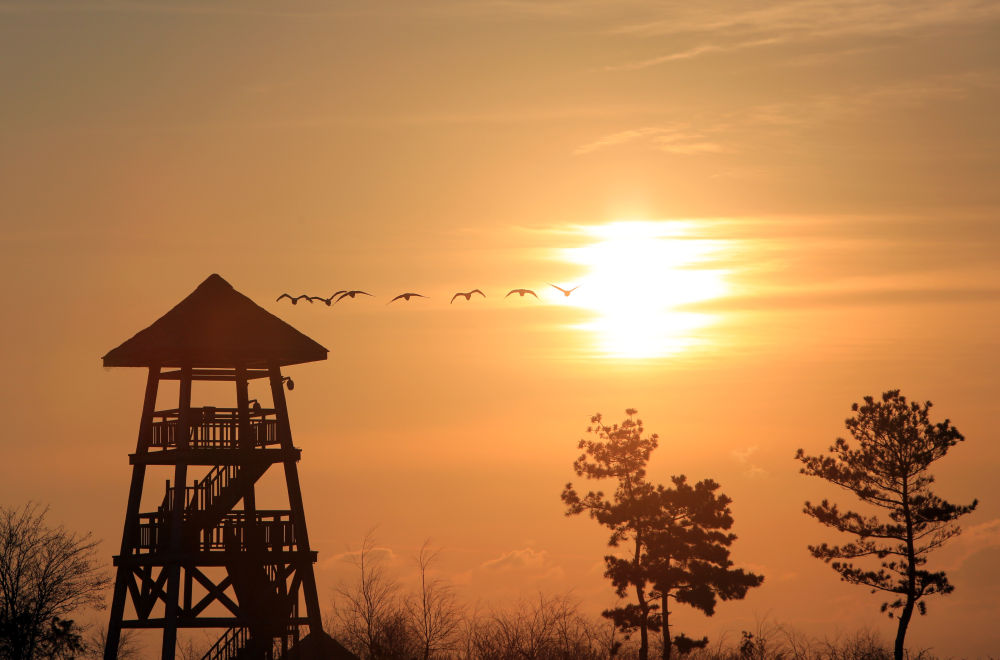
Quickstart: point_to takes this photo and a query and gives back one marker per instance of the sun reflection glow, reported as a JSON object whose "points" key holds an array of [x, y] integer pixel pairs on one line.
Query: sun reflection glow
{"points": [[639, 274]]}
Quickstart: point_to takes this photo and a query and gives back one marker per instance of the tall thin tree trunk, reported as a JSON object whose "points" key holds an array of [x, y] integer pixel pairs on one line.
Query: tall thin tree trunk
{"points": [[911, 577], [643, 606], [665, 613], [643, 630], [904, 621]]}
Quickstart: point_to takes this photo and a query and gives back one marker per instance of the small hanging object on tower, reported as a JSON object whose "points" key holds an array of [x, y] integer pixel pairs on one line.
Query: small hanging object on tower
{"points": [[208, 556]]}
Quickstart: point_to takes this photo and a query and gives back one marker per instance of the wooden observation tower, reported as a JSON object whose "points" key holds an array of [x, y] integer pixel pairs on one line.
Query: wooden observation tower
{"points": [[203, 553]]}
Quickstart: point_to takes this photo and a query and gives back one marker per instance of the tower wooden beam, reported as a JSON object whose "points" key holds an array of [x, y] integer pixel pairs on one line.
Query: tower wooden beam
{"points": [[295, 497], [123, 576]]}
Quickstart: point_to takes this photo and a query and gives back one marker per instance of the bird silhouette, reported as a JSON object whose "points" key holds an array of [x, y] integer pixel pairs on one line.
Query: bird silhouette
{"points": [[295, 300], [468, 295], [350, 294], [329, 300], [521, 292], [565, 292], [406, 296]]}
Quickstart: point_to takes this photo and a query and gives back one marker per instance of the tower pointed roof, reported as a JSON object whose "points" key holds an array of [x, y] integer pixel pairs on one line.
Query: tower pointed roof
{"points": [[216, 326]]}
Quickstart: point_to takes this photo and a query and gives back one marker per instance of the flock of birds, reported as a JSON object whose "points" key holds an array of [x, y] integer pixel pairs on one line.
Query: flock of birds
{"points": [[337, 296]]}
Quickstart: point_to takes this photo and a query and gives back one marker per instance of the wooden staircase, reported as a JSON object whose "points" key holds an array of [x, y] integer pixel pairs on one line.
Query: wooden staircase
{"points": [[212, 497]]}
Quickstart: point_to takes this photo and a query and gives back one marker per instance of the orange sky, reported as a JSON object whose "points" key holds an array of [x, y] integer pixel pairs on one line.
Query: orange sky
{"points": [[799, 199]]}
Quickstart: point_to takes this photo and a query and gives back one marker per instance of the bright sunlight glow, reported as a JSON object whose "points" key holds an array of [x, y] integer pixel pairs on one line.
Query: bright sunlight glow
{"points": [[640, 273]]}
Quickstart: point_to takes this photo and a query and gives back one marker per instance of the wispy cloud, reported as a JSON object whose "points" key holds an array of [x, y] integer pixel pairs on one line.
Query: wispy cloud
{"points": [[691, 53], [376, 554], [828, 55], [542, 9], [521, 565], [972, 540], [814, 18], [677, 139], [743, 456], [840, 293], [851, 103], [525, 558], [160, 7], [725, 132], [810, 23]]}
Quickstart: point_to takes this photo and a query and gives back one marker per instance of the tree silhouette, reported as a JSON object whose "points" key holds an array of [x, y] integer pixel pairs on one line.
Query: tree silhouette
{"points": [[45, 574], [369, 613], [128, 647], [688, 555], [620, 452], [675, 547], [546, 628], [896, 443], [434, 611]]}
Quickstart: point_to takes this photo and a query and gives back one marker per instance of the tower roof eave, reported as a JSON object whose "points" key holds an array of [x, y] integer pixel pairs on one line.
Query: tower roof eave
{"points": [[216, 326]]}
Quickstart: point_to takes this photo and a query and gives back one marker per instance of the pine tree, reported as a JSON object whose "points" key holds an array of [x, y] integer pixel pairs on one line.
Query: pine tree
{"points": [[621, 453], [689, 555], [675, 548], [895, 444]]}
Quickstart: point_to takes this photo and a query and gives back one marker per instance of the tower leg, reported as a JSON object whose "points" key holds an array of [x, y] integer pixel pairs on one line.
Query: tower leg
{"points": [[177, 520], [169, 646], [295, 501], [253, 539], [123, 574]]}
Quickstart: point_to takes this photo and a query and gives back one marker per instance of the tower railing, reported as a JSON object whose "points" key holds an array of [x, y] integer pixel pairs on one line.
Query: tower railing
{"points": [[213, 428], [229, 645], [274, 529], [235, 640]]}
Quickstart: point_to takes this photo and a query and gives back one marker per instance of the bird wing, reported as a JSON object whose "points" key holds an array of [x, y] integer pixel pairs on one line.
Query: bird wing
{"points": [[573, 289], [396, 298], [341, 297], [454, 296], [477, 291], [510, 292], [364, 292], [284, 295], [306, 297], [531, 292], [557, 287]]}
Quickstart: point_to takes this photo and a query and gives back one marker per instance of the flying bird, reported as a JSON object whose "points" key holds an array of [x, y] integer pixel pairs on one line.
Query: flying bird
{"points": [[329, 300], [565, 292], [295, 300], [350, 294], [406, 297], [468, 295], [521, 292]]}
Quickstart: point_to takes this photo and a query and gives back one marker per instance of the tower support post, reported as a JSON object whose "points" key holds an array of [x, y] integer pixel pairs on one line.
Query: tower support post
{"points": [[295, 498], [123, 576], [176, 519]]}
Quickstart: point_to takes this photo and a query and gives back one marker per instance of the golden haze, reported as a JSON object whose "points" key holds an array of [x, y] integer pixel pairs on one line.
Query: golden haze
{"points": [[769, 211]]}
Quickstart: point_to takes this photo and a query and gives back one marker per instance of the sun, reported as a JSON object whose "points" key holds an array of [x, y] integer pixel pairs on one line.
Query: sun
{"points": [[639, 276]]}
